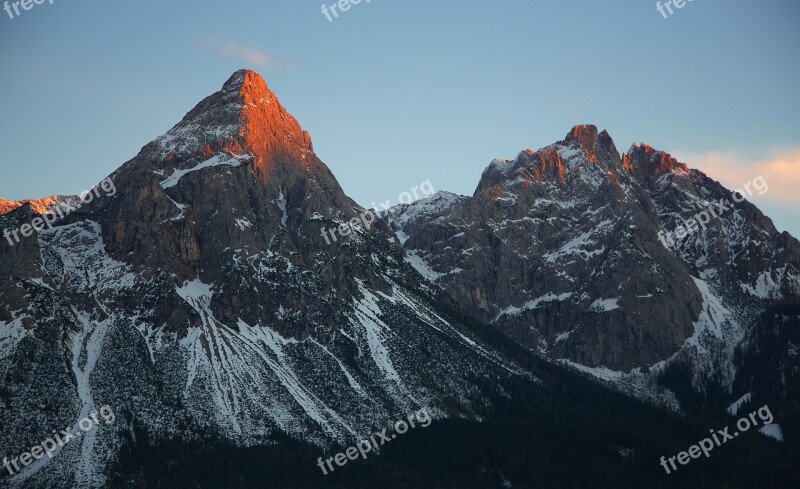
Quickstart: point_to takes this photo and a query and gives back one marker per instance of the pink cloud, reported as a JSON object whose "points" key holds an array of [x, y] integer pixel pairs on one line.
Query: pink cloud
{"points": [[781, 171], [252, 56]]}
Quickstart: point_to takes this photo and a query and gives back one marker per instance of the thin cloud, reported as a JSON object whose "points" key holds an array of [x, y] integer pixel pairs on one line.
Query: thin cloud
{"points": [[781, 171], [252, 55]]}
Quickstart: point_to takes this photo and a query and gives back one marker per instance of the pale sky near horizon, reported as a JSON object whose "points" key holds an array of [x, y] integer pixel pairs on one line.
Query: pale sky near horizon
{"points": [[398, 92]]}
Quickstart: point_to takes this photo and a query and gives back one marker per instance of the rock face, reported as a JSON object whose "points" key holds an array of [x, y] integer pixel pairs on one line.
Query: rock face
{"points": [[202, 297], [566, 250], [236, 182]]}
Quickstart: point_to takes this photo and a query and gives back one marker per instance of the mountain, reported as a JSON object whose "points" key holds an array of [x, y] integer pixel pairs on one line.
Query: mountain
{"points": [[202, 297], [574, 250], [203, 303]]}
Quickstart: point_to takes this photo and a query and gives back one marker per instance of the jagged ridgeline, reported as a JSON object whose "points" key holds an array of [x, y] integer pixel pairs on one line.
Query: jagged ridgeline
{"points": [[236, 345], [564, 249]]}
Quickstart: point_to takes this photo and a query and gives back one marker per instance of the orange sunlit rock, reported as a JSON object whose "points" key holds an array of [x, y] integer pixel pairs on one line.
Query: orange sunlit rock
{"points": [[551, 162], [268, 131], [39, 206], [626, 162], [586, 135], [660, 162]]}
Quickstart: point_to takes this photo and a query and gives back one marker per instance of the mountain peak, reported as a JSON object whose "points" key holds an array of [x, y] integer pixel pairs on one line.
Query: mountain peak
{"points": [[243, 118], [596, 146], [246, 85], [239, 137], [585, 134], [242, 77], [583, 144], [650, 162]]}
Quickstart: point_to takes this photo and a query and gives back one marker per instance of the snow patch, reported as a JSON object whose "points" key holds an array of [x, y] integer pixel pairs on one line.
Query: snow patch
{"points": [[563, 336], [416, 261], [772, 430], [634, 383], [765, 287], [734, 408], [196, 293], [10, 335], [281, 202], [243, 223], [576, 245], [604, 305], [216, 160], [533, 304]]}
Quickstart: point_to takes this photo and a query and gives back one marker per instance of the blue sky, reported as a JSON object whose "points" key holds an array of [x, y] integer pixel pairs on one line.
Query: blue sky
{"points": [[398, 92]]}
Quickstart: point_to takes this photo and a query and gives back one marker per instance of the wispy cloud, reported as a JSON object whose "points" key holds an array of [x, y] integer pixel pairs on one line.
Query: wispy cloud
{"points": [[252, 56], [231, 49], [781, 170]]}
